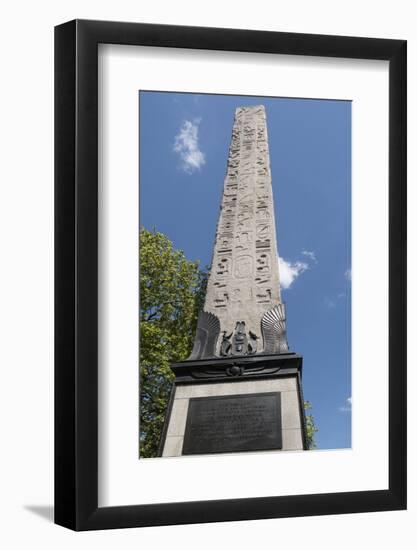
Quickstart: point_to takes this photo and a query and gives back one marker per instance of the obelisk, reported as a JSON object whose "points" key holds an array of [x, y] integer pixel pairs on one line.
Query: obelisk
{"points": [[244, 281], [240, 389]]}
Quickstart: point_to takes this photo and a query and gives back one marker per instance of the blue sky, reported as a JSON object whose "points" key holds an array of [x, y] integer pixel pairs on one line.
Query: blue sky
{"points": [[184, 141]]}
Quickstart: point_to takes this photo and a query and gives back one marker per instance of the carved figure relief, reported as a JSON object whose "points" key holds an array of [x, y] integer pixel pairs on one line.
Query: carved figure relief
{"points": [[226, 345], [238, 343]]}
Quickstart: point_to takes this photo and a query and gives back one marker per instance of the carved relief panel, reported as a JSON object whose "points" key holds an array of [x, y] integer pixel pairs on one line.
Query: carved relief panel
{"points": [[243, 283]]}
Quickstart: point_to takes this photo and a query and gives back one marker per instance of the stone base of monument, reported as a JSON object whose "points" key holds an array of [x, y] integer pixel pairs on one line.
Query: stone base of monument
{"points": [[235, 404]]}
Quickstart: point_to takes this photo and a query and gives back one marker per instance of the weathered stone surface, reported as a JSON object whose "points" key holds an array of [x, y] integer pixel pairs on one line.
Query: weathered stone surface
{"points": [[178, 417], [291, 425], [292, 440], [228, 388], [244, 279], [173, 446]]}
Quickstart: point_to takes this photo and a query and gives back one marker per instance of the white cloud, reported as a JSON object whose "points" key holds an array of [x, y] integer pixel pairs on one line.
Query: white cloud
{"points": [[347, 407], [288, 272], [328, 302], [187, 147], [348, 274], [310, 254]]}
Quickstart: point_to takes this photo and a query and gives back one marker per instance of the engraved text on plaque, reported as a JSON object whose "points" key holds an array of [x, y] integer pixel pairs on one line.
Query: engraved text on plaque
{"points": [[232, 423]]}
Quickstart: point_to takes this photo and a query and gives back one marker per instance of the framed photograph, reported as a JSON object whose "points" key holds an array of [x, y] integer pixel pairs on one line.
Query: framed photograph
{"points": [[230, 252]]}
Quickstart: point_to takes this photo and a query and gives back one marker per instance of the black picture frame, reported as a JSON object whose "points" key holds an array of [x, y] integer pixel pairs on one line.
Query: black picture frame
{"points": [[76, 271]]}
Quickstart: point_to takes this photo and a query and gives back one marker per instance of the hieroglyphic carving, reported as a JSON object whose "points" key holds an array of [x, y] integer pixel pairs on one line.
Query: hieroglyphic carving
{"points": [[223, 266], [244, 239], [263, 265], [225, 242], [244, 266], [243, 282], [263, 294]]}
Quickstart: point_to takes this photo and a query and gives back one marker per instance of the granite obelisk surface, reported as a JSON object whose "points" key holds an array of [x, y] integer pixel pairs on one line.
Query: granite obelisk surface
{"points": [[240, 389], [244, 279]]}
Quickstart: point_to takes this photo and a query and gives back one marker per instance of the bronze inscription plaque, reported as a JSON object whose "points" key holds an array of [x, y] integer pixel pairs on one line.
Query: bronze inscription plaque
{"points": [[233, 423]]}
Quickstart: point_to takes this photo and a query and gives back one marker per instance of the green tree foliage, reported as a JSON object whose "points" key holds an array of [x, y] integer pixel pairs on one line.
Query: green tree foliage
{"points": [[171, 293], [311, 428]]}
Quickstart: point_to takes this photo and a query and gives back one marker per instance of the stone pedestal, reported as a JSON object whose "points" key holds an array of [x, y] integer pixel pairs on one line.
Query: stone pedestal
{"points": [[235, 404]]}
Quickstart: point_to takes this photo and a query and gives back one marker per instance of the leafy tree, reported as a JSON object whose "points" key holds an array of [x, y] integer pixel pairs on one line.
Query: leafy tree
{"points": [[171, 294], [311, 428]]}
